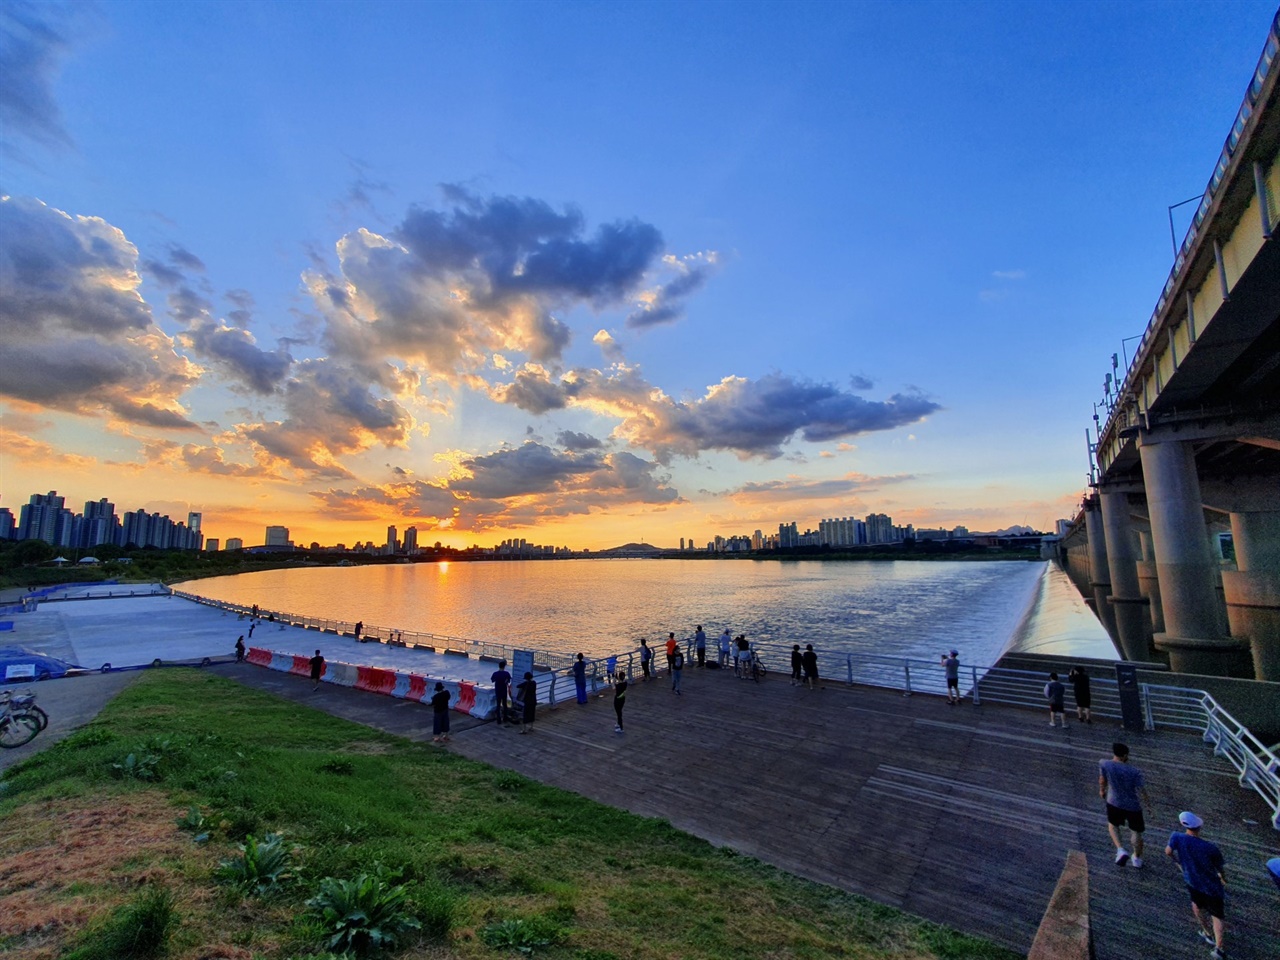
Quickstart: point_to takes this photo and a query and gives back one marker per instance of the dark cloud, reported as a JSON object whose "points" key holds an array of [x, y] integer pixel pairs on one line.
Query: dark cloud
{"points": [[668, 301], [235, 351], [184, 259], [32, 48], [532, 390], [528, 468], [163, 273], [858, 382], [578, 442], [243, 302], [76, 334]]}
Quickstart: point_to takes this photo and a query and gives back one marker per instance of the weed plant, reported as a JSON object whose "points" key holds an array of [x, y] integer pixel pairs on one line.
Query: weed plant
{"points": [[473, 848], [140, 930]]}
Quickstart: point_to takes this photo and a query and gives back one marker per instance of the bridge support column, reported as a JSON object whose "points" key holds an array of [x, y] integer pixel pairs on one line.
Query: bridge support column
{"points": [[1253, 589], [1099, 569], [1184, 564], [1149, 582], [1133, 623]]}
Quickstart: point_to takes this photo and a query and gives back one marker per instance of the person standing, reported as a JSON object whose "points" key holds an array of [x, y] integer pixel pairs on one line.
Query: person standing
{"points": [[677, 668], [809, 663], [1204, 873], [440, 714], [501, 681], [1123, 787], [620, 698], [741, 655], [1055, 692], [240, 649], [951, 667], [726, 642], [1080, 688], [358, 629], [646, 657], [700, 645], [317, 667], [797, 664], [580, 678], [672, 647], [527, 701]]}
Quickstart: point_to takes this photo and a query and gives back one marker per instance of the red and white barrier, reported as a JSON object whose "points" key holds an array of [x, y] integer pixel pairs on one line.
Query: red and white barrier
{"points": [[464, 696]]}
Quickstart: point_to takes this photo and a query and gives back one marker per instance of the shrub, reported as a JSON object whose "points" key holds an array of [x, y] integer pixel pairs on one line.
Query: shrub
{"points": [[138, 931], [262, 867], [364, 916], [524, 936], [137, 766], [193, 822]]}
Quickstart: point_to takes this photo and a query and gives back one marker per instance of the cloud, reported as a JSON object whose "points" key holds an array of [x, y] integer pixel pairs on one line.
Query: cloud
{"points": [[578, 442], [447, 288], [851, 485], [234, 350], [77, 335], [31, 53], [666, 303], [330, 412], [750, 418], [1009, 274], [29, 451]]}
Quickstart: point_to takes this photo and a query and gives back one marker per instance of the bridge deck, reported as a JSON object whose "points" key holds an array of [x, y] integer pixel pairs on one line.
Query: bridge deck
{"points": [[962, 815]]}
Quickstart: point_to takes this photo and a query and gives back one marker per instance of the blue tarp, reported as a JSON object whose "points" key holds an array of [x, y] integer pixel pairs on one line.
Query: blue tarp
{"points": [[22, 663]]}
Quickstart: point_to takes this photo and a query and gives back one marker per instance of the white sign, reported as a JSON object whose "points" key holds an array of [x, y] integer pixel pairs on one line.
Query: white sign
{"points": [[521, 663], [20, 671]]}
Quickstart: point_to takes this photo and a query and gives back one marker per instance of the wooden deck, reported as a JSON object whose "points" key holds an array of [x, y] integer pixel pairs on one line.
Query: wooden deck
{"points": [[963, 815]]}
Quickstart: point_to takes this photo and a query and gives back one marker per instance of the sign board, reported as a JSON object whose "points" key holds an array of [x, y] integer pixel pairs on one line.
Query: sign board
{"points": [[20, 671], [521, 663]]}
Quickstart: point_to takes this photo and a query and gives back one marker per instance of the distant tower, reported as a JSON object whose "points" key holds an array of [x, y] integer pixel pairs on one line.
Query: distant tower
{"points": [[411, 540], [392, 543], [682, 544], [276, 537]]}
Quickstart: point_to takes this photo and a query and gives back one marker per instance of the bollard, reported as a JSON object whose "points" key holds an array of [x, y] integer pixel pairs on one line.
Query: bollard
{"points": [[906, 666]]}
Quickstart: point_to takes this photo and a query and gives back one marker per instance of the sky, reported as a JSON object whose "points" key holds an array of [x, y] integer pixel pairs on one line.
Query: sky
{"points": [[587, 273]]}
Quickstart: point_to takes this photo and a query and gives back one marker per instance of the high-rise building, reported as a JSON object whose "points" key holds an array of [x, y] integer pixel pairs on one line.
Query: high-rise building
{"points": [[277, 537], [7, 525], [99, 524], [235, 543], [682, 544], [788, 536], [879, 528], [211, 544], [411, 541], [193, 522], [393, 545], [45, 518]]}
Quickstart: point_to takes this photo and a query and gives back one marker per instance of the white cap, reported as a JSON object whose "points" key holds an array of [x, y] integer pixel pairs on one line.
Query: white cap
{"points": [[1190, 820]]}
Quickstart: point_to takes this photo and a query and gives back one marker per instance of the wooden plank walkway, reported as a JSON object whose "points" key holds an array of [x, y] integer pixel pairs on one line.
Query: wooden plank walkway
{"points": [[961, 815]]}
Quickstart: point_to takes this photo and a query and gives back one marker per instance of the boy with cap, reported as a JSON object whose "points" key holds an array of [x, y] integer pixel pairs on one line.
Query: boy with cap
{"points": [[1124, 789], [1202, 871]]}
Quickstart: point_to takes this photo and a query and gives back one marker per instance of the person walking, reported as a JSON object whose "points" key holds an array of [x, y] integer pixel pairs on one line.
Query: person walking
{"points": [[797, 664], [440, 714], [1055, 692], [726, 643], [700, 645], [1205, 876], [951, 667], [620, 698], [580, 678], [240, 649], [677, 668], [1124, 790], [501, 681], [317, 668], [672, 647], [646, 657], [809, 663], [527, 701], [1080, 688]]}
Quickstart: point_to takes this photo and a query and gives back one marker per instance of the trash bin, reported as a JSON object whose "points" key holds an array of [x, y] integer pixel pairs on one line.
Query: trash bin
{"points": [[1130, 697]]}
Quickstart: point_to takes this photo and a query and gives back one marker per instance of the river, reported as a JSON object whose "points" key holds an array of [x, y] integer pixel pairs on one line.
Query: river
{"points": [[904, 608]]}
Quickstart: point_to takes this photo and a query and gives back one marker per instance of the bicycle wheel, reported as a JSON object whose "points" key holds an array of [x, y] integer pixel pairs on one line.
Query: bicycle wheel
{"points": [[17, 730], [36, 713]]}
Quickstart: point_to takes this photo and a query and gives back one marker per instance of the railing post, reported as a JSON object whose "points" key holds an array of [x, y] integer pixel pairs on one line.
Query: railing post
{"points": [[849, 662], [976, 698], [552, 692], [906, 667], [1148, 716]]}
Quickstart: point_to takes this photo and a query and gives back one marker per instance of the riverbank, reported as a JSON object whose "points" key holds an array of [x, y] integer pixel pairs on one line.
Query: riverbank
{"points": [[488, 856]]}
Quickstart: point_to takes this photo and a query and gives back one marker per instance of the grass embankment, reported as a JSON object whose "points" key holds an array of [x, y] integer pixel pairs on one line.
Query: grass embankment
{"points": [[91, 852]]}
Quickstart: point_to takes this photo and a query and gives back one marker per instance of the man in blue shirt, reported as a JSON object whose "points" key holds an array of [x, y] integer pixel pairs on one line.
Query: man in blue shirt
{"points": [[501, 681], [1202, 870]]}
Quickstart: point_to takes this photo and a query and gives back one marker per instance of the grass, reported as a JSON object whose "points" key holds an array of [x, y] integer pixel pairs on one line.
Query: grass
{"points": [[487, 857]]}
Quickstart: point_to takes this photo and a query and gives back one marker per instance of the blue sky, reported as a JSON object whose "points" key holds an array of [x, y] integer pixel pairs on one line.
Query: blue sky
{"points": [[587, 273]]}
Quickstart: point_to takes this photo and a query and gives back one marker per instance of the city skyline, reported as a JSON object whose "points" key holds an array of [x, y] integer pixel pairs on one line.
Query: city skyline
{"points": [[543, 268]]}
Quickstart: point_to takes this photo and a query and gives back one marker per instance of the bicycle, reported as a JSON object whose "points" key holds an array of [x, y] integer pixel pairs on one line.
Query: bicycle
{"points": [[20, 719], [757, 668]]}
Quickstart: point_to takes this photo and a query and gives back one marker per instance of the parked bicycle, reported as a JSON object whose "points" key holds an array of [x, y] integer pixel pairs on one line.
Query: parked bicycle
{"points": [[756, 671], [20, 718]]}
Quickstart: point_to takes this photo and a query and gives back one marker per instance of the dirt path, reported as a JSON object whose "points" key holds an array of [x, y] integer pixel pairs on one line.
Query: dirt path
{"points": [[71, 703]]}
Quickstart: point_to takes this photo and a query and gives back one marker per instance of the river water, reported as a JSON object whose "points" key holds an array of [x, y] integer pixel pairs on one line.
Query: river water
{"points": [[903, 608]]}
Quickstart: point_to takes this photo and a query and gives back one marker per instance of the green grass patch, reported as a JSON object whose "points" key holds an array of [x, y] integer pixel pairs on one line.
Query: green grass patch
{"points": [[483, 862]]}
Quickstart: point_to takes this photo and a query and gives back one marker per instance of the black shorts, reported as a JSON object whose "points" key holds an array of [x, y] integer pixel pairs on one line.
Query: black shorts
{"points": [[1209, 904], [1119, 818]]}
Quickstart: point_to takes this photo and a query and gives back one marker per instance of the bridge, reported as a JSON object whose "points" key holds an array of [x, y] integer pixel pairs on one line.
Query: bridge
{"points": [[1189, 449]]}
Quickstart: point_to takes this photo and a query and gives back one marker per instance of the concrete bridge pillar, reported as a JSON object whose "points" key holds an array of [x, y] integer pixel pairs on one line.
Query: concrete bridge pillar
{"points": [[1099, 569], [1253, 589], [1185, 566], [1133, 623], [1149, 582]]}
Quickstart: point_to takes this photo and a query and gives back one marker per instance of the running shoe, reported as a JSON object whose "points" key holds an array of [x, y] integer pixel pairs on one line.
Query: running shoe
{"points": [[1121, 856], [1135, 861], [1207, 937]]}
